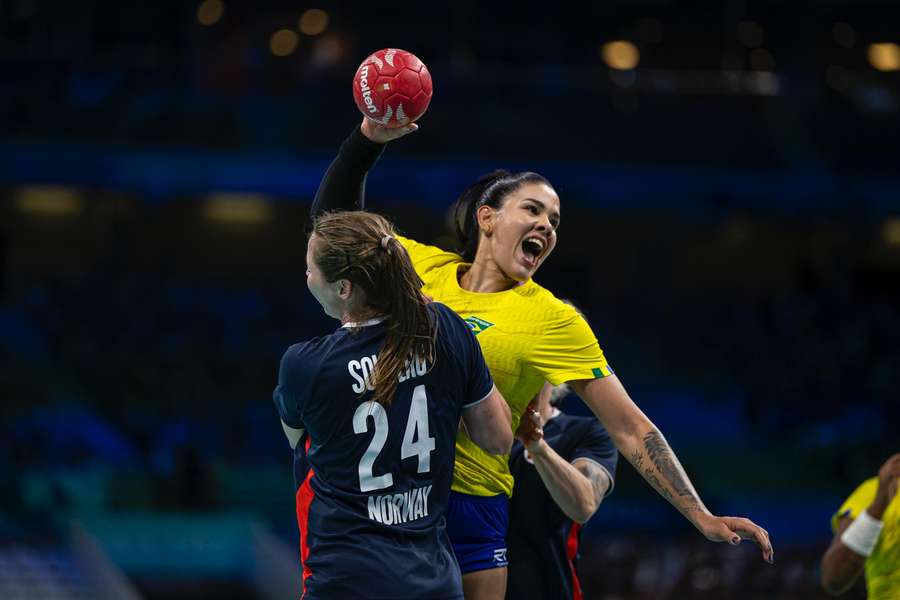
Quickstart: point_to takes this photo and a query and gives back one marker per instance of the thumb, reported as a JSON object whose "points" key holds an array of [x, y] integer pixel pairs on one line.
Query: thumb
{"points": [[721, 532], [399, 132], [731, 536], [410, 128]]}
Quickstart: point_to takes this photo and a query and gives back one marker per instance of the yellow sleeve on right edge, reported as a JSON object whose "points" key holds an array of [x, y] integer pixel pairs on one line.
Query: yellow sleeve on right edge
{"points": [[858, 501], [425, 257], [568, 350]]}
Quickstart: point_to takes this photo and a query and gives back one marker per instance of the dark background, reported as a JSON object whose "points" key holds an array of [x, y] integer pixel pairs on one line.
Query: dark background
{"points": [[730, 224]]}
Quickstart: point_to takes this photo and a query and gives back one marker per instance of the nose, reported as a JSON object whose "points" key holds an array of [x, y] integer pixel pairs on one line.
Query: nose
{"points": [[544, 223]]}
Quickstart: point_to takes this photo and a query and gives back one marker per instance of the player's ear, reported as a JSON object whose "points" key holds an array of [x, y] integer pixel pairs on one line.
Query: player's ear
{"points": [[344, 288], [485, 215]]}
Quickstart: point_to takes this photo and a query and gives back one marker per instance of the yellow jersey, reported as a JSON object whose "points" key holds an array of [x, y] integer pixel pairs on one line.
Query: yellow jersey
{"points": [[883, 566], [527, 336]]}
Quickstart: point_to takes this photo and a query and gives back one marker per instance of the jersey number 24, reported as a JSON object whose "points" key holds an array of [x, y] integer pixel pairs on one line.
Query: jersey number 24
{"points": [[416, 427]]}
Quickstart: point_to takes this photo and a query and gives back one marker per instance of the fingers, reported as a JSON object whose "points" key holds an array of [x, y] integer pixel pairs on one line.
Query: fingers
{"points": [[761, 537], [380, 134], [401, 131], [536, 423], [749, 530], [529, 430], [891, 466], [533, 426], [526, 428], [894, 464], [888, 477]]}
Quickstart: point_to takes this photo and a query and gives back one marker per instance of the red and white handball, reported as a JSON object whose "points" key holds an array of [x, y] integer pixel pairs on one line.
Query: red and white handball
{"points": [[392, 87]]}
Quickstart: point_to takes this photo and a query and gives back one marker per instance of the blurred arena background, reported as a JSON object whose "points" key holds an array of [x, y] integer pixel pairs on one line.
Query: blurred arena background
{"points": [[731, 224]]}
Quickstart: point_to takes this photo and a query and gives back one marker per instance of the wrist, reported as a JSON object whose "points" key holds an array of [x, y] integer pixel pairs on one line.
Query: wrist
{"points": [[699, 516], [863, 533], [877, 508], [368, 131], [538, 448]]}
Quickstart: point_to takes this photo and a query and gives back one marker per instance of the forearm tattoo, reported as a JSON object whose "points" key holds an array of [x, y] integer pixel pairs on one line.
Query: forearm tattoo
{"points": [[596, 475], [667, 466]]}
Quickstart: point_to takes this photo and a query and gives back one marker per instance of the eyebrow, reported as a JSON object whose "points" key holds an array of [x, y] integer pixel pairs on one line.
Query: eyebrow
{"points": [[542, 205]]}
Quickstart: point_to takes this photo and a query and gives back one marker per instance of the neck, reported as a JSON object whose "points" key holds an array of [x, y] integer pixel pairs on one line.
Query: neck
{"points": [[486, 277], [359, 315]]}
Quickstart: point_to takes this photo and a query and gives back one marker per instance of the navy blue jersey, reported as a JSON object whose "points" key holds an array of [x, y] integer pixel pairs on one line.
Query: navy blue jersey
{"points": [[373, 482], [542, 541]]}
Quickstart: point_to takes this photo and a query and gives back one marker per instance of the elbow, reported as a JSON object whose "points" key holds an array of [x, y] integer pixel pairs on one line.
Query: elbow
{"points": [[581, 517], [502, 443], [831, 586], [584, 511], [499, 443], [831, 582]]}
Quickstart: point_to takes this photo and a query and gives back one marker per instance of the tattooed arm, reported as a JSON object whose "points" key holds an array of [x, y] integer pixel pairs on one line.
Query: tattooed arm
{"points": [[578, 487], [638, 439]]}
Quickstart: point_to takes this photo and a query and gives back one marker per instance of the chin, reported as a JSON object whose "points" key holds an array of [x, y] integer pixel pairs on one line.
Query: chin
{"points": [[520, 274]]}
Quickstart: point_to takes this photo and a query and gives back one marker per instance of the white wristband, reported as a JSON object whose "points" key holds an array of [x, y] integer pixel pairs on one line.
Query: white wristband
{"points": [[862, 535]]}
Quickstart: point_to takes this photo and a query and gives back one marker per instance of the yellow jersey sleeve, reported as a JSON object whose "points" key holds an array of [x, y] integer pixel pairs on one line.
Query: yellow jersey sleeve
{"points": [[568, 350], [426, 258], [858, 501]]}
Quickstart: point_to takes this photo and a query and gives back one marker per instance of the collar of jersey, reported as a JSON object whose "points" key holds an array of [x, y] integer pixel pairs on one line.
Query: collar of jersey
{"points": [[374, 321], [525, 285]]}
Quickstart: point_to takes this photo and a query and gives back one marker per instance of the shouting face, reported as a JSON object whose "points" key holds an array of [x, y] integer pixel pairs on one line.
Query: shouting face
{"points": [[521, 234]]}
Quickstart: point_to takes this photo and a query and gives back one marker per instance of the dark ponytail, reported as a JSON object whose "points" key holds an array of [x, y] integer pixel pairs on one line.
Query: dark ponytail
{"points": [[490, 190], [362, 247]]}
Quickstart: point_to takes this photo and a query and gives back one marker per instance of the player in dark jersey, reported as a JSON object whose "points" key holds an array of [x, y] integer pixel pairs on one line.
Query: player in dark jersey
{"points": [[506, 226], [372, 411], [563, 470]]}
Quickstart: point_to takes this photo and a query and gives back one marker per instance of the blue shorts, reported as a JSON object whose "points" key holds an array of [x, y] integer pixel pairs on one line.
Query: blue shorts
{"points": [[477, 528]]}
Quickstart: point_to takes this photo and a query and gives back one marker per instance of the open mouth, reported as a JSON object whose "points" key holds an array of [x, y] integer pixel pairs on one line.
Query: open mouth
{"points": [[532, 249]]}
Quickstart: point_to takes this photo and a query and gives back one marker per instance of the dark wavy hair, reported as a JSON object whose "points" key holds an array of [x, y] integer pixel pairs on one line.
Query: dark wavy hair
{"points": [[350, 247], [490, 190]]}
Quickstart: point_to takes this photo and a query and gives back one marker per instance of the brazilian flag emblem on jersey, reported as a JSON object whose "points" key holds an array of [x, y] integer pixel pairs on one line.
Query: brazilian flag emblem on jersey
{"points": [[602, 371], [478, 325]]}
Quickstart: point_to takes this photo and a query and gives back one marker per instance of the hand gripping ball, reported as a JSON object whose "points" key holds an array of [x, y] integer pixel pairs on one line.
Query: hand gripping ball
{"points": [[392, 87]]}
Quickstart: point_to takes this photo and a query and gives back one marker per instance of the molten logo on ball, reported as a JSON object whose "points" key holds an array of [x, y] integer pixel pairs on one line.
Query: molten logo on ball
{"points": [[364, 87], [392, 87]]}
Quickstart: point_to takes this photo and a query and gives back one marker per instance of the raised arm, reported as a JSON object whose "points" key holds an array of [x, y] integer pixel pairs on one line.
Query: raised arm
{"points": [[638, 439], [343, 187]]}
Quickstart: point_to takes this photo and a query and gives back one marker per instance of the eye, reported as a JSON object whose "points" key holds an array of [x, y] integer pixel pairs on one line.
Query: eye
{"points": [[532, 209]]}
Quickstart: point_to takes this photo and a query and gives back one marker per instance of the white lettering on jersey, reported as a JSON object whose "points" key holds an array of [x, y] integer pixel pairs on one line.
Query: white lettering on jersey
{"points": [[362, 369], [356, 372], [395, 509], [368, 367]]}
